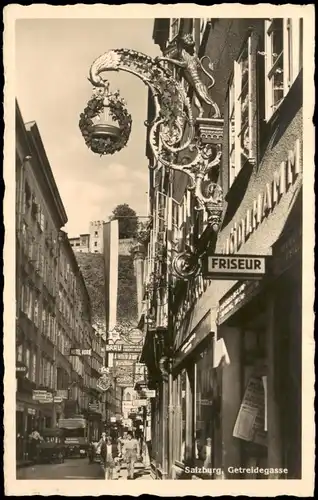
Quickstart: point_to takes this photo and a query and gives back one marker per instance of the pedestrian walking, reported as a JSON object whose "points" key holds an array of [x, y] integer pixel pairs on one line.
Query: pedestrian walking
{"points": [[34, 440], [130, 453], [102, 439], [109, 455]]}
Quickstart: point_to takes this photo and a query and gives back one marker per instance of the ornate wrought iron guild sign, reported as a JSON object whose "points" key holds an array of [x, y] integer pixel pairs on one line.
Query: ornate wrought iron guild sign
{"points": [[106, 124]]}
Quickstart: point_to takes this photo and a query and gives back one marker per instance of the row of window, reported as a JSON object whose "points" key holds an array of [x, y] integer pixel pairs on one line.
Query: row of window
{"points": [[43, 262], [63, 342], [49, 325], [199, 25], [31, 206], [65, 307], [77, 364], [47, 372], [30, 305], [282, 62], [173, 228]]}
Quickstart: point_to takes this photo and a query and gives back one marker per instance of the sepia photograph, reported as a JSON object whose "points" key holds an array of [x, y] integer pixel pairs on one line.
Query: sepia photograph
{"points": [[159, 262]]}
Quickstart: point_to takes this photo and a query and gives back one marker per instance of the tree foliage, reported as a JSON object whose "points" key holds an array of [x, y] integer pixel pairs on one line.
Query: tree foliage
{"points": [[127, 221]]}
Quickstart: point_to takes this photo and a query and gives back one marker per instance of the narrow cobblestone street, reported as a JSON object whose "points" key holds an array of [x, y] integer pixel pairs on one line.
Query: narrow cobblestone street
{"points": [[75, 469]]}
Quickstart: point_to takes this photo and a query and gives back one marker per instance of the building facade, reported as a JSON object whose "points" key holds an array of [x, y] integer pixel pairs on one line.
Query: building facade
{"points": [[81, 243], [228, 349], [91, 242], [52, 304]]}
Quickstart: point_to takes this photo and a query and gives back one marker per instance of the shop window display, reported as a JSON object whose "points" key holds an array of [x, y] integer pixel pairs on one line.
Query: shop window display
{"points": [[204, 409], [254, 445]]}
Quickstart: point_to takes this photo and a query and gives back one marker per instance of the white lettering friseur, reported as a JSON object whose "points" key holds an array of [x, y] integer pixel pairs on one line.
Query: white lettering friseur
{"points": [[236, 265]]}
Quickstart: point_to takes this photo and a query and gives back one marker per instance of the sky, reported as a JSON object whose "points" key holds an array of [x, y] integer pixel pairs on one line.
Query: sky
{"points": [[53, 57]]}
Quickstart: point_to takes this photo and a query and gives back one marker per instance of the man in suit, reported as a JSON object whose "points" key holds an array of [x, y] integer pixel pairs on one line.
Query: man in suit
{"points": [[109, 454]]}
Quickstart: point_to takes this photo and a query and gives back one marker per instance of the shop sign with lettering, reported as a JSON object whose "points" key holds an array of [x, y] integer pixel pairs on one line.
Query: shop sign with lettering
{"points": [[127, 355], [234, 267], [21, 370], [130, 363], [150, 393], [266, 201], [80, 352], [118, 348], [124, 381], [239, 295], [62, 393], [113, 348], [39, 394]]}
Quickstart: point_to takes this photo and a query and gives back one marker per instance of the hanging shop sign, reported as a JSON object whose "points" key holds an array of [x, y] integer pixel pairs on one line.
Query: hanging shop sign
{"points": [[20, 369], [62, 393], [95, 407], [149, 393], [124, 381], [113, 348], [124, 362], [45, 397], [80, 352], [265, 202], [127, 355], [38, 395], [234, 267], [126, 405], [249, 424], [104, 383], [123, 348], [57, 399], [139, 402]]}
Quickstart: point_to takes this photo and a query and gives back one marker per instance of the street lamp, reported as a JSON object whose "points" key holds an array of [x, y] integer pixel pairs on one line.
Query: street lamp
{"points": [[201, 145]]}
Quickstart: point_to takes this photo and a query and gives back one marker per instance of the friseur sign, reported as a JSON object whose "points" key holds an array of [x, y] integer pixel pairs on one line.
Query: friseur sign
{"points": [[234, 267]]}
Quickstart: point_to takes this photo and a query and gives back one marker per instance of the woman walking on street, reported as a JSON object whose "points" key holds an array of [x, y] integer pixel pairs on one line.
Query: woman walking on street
{"points": [[130, 452], [109, 455]]}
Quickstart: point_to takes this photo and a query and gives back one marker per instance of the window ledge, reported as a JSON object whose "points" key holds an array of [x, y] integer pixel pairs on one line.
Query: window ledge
{"points": [[271, 120]]}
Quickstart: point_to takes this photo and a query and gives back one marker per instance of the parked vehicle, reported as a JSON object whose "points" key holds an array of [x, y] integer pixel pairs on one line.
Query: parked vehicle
{"points": [[75, 436], [51, 449]]}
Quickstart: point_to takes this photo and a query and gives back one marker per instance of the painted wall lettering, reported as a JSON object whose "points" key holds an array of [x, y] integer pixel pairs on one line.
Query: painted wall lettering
{"points": [[265, 202]]}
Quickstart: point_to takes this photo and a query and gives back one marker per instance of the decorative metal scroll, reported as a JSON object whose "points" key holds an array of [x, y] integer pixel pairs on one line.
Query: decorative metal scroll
{"points": [[173, 115]]}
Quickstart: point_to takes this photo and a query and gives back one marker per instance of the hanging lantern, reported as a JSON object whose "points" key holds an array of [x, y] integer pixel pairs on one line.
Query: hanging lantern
{"points": [[105, 123]]}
